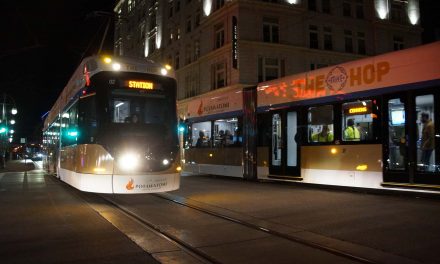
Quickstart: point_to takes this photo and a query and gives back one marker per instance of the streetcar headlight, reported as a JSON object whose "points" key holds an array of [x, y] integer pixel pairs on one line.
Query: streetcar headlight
{"points": [[129, 161], [116, 66]]}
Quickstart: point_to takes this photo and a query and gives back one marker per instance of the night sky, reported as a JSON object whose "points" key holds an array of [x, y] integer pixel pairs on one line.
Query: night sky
{"points": [[42, 42]]}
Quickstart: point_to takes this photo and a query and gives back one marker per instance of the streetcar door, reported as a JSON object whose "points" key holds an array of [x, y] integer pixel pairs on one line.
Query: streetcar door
{"points": [[277, 145], [284, 156], [396, 140], [425, 137], [412, 138]]}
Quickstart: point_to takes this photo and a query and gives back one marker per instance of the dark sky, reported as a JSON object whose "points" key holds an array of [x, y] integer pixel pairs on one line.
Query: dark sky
{"points": [[42, 42]]}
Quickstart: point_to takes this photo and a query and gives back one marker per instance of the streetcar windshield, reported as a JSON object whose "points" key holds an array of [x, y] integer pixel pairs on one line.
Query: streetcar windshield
{"points": [[141, 109]]}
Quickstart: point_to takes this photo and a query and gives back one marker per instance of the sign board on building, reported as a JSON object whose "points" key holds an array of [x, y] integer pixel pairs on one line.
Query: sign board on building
{"points": [[234, 42]]}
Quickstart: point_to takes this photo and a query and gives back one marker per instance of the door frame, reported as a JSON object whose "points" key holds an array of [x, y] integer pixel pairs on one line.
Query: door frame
{"points": [[283, 170], [411, 175]]}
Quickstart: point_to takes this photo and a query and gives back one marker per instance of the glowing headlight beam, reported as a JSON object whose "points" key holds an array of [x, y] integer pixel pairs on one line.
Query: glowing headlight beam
{"points": [[129, 161]]}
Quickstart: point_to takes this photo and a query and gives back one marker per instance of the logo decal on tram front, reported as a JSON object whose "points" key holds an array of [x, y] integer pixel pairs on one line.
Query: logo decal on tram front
{"points": [[336, 79], [130, 185]]}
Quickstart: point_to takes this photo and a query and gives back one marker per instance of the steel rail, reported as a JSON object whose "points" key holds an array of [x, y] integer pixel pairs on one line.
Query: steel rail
{"points": [[270, 231]]}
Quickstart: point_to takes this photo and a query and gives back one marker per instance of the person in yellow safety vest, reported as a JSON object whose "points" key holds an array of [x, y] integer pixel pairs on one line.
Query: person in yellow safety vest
{"points": [[324, 136], [351, 133]]}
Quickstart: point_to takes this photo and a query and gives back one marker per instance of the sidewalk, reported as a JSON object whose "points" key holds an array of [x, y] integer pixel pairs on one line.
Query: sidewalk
{"points": [[18, 166], [44, 221]]}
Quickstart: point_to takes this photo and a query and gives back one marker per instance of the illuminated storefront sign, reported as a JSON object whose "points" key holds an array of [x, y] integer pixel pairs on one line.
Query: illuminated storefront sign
{"points": [[140, 85]]}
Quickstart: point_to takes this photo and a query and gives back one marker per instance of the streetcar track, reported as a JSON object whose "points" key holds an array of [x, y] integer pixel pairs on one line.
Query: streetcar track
{"points": [[193, 251], [269, 231], [199, 254], [187, 248]]}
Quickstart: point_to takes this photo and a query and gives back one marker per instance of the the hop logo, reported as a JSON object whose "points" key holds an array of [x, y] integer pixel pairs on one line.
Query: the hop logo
{"points": [[130, 185], [336, 79]]}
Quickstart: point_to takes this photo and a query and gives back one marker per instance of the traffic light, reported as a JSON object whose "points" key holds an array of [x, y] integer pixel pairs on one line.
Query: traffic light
{"points": [[72, 133], [3, 129], [181, 127]]}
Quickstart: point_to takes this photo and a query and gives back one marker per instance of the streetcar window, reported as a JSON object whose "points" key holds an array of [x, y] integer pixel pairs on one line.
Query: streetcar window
{"points": [[139, 109], [201, 133], [121, 113], [320, 124], [397, 145], [69, 126], [227, 132], [357, 121], [426, 134]]}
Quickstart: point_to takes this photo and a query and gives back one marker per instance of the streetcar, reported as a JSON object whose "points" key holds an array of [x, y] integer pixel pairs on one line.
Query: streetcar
{"points": [[368, 123], [113, 129]]}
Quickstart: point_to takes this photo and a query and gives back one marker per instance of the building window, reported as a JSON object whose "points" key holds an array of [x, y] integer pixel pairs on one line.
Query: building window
{"points": [[361, 43], [188, 25], [218, 75], [188, 54], [170, 8], [177, 61], [346, 9], [312, 5], [142, 33], [197, 18], [219, 4], [177, 6], [152, 44], [196, 49], [153, 23], [130, 5], [348, 41], [270, 68], [398, 11], [359, 9], [270, 30], [326, 6], [328, 40], [191, 86], [170, 40], [313, 37], [120, 48], [398, 43], [219, 36], [320, 124]]}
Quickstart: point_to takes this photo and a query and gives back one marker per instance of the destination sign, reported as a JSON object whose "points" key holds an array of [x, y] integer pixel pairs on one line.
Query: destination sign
{"points": [[358, 108], [140, 85]]}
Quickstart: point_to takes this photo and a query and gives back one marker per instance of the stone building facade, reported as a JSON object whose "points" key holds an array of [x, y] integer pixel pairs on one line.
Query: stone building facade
{"points": [[225, 44]]}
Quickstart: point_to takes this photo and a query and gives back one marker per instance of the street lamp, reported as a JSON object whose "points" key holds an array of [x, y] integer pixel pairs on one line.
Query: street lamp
{"points": [[8, 108]]}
